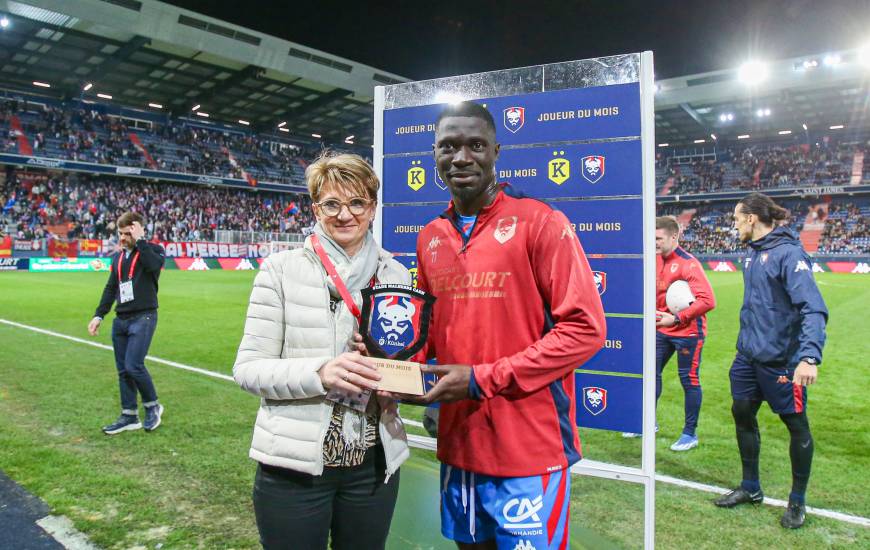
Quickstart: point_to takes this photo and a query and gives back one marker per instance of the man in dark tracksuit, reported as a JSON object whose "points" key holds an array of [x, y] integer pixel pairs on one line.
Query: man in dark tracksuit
{"points": [[133, 283], [779, 348]]}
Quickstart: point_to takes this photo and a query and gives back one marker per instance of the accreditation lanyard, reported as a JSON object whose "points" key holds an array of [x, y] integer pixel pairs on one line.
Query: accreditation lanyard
{"points": [[125, 288], [336, 279], [132, 267]]}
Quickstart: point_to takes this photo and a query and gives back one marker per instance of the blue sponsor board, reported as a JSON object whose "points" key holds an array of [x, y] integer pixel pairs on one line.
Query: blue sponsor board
{"points": [[14, 264], [606, 226], [565, 115], [620, 284], [623, 349], [410, 262], [609, 402], [402, 224], [586, 170]]}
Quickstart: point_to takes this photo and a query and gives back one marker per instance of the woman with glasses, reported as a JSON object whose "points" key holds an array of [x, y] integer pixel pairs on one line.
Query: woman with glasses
{"points": [[328, 448]]}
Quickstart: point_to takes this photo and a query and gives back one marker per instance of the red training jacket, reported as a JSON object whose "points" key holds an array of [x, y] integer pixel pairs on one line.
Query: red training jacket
{"points": [[682, 265], [517, 301]]}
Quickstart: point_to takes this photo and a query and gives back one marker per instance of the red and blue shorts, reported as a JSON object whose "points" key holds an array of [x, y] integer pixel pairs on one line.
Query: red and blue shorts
{"points": [[754, 381], [515, 512]]}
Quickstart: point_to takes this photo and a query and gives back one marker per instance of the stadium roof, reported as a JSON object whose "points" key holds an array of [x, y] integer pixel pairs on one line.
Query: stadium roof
{"points": [[766, 100], [145, 53]]}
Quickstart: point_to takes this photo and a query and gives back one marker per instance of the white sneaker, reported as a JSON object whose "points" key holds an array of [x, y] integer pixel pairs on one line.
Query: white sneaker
{"points": [[685, 442]]}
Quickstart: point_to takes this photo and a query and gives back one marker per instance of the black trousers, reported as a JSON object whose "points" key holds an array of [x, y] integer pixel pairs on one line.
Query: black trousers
{"points": [[352, 506]]}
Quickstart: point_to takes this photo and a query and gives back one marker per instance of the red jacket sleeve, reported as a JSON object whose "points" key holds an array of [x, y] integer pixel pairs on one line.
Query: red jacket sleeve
{"points": [[705, 300], [565, 282]]}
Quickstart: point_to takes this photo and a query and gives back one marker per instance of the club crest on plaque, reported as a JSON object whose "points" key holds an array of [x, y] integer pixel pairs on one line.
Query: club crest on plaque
{"points": [[395, 320]]}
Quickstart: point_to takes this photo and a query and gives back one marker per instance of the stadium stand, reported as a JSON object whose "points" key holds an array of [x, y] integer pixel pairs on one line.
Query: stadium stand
{"points": [[82, 206], [763, 166], [843, 226], [85, 133]]}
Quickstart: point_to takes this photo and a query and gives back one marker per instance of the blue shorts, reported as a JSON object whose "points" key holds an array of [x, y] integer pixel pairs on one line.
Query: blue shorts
{"points": [[772, 383], [515, 512]]}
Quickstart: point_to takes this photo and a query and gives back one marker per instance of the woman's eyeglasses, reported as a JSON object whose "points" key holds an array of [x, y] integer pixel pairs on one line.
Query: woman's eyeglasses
{"points": [[332, 207]]}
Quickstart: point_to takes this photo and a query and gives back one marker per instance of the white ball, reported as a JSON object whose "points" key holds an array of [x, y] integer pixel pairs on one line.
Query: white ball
{"points": [[679, 296]]}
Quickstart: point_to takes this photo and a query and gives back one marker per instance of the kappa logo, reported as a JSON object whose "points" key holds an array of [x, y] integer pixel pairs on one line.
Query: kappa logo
{"points": [[600, 281], [817, 268], [514, 118], [746, 263], [567, 231], [416, 175], [559, 168], [198, 265], [526, 515], [764, 258], [505, 229], [525, 545], [594, 400], [245, 265], [723, 266], [592, 168], [801, 266], [433, 248], [861, 267]]}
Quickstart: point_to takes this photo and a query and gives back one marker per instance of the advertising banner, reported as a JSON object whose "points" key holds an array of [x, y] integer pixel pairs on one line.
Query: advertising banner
{"points": [[70, 264]]}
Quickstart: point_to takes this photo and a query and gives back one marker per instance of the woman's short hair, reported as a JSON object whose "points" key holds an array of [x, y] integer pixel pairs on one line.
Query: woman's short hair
{"points": [[341, 171]]}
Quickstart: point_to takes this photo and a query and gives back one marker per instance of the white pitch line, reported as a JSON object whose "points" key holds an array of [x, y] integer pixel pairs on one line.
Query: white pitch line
{"points": [[63, 531], [429, 443], [104, 346]]}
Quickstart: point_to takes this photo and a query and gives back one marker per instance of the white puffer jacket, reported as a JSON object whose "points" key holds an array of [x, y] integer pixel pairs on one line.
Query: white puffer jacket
{"points": [[290, 333]]}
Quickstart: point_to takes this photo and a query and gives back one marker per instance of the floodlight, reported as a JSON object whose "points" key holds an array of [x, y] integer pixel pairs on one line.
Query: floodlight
{"points": [[195, 107], [743, 136], [804, 126], [318, 136], [700, 140], [752, 72], [41, 84], [713, 136], [4, 22], [104, 96], [87, 86], [663, 144], [155, 105], [784, 132], [836, 127], [281, 125], [202, 114], [244, 122], [832, 59]]}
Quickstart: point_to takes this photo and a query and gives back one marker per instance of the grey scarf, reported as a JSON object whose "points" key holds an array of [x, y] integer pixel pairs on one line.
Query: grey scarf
{"points": [[356, 271]]}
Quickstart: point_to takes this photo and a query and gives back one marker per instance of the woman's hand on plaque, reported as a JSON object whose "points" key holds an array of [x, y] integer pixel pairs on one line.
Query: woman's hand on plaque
{"points": [[350, 372]]}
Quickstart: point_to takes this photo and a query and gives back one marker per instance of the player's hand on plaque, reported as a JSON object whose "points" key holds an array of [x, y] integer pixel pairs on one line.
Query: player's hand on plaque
{"points": [[805, 374], [350, 372], [452, 385]]}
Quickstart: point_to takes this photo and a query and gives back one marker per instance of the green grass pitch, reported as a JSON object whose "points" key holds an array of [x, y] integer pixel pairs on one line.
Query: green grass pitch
{"points": [[188, 484]]}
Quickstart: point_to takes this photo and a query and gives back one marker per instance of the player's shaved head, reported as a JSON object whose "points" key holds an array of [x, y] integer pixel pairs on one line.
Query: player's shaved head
{"points": [[466, 109]]}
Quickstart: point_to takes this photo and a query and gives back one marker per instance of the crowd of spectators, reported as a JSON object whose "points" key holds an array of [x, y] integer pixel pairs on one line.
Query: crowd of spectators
{"points": [[80, 134], [761, 167], [847, 230], [87, 207]]}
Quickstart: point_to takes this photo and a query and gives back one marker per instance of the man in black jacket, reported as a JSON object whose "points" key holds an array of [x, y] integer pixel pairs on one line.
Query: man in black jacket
{"points": [[133, 284]]}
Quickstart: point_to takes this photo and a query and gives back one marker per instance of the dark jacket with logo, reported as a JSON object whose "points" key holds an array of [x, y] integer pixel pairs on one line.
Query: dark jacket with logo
{"points": [[783, 315], [145, 276]]}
